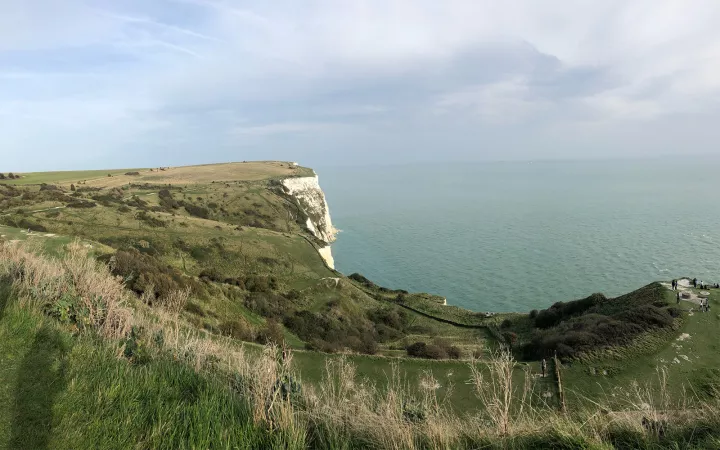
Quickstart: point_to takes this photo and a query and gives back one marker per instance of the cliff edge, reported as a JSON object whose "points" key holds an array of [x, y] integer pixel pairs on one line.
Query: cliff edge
{"points": [[312, 203]]}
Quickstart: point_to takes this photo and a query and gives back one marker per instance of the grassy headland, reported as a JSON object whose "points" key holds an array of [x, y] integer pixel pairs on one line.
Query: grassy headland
{"points": [[181, 285]]}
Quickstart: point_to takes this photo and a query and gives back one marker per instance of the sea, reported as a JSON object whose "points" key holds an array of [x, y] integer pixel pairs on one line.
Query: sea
{"points": [[516, 236]]}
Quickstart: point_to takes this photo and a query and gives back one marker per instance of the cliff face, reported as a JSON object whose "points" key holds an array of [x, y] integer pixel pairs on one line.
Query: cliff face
{"points": [[307, 192]]}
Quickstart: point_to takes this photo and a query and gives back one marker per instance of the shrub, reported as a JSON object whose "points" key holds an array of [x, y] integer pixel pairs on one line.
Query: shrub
{"points": [[143, 216], [166, 200], [197, 211], [429, 351], [533, 313], [137, 202], [237, 329], [48, 187], [507, 323], [81, 204], [193, 308], [454, 352], [132, 173], [562, 311], [145, 275], [271, 333], [32, 226]]}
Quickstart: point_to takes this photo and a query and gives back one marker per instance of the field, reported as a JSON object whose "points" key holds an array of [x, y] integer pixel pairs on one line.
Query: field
{"points": [[228, 227], [228, 252], [247, 171], [689, 355]]}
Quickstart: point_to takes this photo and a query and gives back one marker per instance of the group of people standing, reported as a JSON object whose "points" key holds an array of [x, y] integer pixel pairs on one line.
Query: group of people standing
{"points": [[701, 285], [704, 304]]}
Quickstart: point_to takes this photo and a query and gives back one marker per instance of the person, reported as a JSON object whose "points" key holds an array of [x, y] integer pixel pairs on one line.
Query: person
{"points": [[694, 282], [672, 284]]}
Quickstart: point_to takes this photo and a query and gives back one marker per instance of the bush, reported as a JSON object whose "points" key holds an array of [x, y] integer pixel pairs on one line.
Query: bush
{"points": [[132, 173], [454, 352], [271, 333], [32, 226], [154, 222], [562, 311], [197, 211], [507, 323], [533, 313], [81, 204], [429, 351], [166, 200], [195, 309], [143, 273], [237, 329]]}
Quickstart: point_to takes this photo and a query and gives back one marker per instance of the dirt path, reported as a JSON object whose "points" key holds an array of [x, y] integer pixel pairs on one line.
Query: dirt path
{"points": [[39, 210]]}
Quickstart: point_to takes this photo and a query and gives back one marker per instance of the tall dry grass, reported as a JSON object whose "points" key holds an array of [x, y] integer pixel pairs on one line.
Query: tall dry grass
{"points": [[343, 410], [45, 281]]}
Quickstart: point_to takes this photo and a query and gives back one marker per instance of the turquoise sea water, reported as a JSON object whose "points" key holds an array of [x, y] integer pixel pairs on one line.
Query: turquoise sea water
{"points": [[518, 236]]}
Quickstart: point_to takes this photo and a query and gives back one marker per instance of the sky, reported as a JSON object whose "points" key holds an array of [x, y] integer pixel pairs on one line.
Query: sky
{"points": [[141, 83]]}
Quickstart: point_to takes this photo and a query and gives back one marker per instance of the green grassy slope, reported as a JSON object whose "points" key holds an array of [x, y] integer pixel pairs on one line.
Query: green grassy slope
{"points": [[239, 229], [65, 391], [241, 247]]}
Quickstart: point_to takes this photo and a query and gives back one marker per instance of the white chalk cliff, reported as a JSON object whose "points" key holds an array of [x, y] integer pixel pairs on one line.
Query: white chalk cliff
{"points": [[307, 192]]}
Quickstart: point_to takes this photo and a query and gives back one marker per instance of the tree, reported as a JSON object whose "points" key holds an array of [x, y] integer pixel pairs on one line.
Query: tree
{"points": [[72, 187], [2, 177], [11, 176]]}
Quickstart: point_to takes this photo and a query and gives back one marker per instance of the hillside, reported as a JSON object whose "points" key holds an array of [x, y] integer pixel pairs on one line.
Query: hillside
{"points": [[182, 285]]}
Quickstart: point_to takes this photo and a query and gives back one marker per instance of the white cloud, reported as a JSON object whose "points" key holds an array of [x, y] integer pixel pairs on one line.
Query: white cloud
{"points": [[325, 68], [281, 128]]}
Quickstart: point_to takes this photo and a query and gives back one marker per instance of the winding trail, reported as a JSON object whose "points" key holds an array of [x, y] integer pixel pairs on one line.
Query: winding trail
{"points": [[37, 211]]}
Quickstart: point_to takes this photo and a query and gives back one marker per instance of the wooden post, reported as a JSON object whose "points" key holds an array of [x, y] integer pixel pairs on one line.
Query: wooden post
{"points": [[558, 377]]}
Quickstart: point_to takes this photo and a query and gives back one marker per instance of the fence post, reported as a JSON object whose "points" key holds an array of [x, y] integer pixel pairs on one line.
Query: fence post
{"points": [[558, 377]]}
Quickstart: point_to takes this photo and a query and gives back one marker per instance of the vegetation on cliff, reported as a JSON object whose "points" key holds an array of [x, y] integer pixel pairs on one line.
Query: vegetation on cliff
{"points": [[199, 293]]}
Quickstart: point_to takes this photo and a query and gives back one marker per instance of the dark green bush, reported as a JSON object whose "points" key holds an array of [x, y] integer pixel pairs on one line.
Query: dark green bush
{"points": [[271, 333], [197, 211], [148, 219], [237, 329], [81, 204], [143, 272]]}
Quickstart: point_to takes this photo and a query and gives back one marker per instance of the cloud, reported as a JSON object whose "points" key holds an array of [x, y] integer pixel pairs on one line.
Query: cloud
{"points": [[281, 128], [387, 80]]}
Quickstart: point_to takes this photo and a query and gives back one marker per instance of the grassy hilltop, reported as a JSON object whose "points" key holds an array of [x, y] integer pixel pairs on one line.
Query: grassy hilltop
{"points": [[147, 308]]}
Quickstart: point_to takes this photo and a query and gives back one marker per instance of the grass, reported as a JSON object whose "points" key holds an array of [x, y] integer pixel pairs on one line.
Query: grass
{"points": [[691, 362], [279, 239], [69, 387], [64, 391], [63, 177], [276, 245]]}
